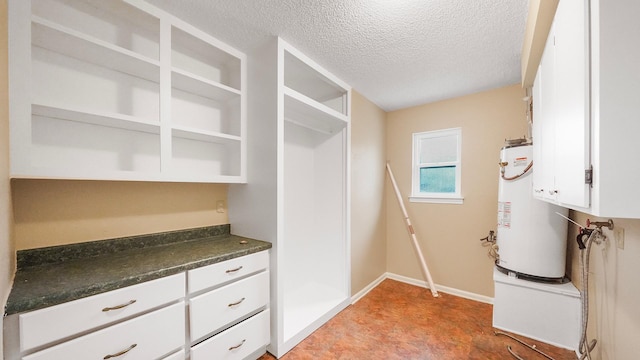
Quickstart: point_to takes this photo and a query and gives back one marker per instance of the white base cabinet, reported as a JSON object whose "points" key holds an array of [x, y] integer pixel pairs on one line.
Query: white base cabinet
{"points": [[220, 311], [228, 308], [145, 320], [298, 190], [120, 90], [585, 99], [149, 336]]}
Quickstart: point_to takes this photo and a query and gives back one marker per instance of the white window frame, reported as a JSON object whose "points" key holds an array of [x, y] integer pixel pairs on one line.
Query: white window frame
{"points": [[434, 197]]}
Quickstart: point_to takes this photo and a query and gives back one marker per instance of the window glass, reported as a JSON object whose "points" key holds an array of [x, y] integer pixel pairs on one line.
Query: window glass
{"points": [[438, 149], [438, 179]]}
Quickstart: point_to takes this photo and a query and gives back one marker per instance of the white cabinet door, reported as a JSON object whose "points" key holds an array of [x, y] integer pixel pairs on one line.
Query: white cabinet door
{"points": [[571, 110], [544, 127], [561, 111]]}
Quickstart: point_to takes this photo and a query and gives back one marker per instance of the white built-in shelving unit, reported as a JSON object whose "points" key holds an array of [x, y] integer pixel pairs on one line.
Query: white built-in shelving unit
{"points": [[298, 190], [120, 90]]}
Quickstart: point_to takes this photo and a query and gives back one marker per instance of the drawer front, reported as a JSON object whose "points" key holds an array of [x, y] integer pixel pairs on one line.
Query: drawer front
{"points": [[57, 322], [154, 335], [180, 355], [214, 309], [220, 273], [236, 342]]}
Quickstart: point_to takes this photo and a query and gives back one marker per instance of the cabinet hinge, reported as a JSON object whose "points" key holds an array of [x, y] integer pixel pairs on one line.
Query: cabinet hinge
{"points": [[588, 176]]}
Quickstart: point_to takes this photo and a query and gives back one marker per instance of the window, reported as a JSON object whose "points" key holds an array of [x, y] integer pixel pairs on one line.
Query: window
{"points": [[437, 167]]}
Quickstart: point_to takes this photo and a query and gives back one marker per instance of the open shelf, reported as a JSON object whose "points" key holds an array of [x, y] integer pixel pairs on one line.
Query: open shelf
{"points": [[83, 68], [309, 113], [312, 83], [62, 40], [197, 160], [84, 149], [198, 85], [114, 21], [206, 136], [200, 58], [112, 120]]}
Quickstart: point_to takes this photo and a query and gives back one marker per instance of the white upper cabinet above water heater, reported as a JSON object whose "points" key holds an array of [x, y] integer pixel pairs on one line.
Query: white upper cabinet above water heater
{"points": [[585, 122], [121, 90], [561, 110]]}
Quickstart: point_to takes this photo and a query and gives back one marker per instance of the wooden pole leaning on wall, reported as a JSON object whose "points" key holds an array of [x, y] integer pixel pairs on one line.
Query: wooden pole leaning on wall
{"points": [[412, 233]]}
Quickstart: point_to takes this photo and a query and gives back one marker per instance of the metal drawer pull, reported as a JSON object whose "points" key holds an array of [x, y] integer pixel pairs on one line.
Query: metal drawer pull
{"points": [[236, 303], [120, 353], [237, 346], [119, 306], [234, 270]]}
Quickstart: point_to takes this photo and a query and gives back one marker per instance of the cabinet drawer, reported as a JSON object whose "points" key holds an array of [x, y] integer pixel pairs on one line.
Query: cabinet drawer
{"points": [[236, 342], [220, 273], [222, 306], [58, 322], [149, 336], [180, 355]]}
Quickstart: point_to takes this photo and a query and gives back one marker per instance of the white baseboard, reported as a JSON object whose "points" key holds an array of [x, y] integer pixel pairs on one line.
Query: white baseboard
{"points": [[424, 284], [368, 288]]}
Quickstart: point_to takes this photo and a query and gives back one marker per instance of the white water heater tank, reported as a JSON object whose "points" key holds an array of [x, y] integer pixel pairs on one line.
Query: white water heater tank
{"points": [[531, 237]]}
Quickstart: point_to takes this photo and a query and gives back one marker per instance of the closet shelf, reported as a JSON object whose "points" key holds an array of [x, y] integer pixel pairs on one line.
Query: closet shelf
{"points": [[113, 120], [69, 42], [205, 136], [313, 82], [304, 111], [198, 85]]}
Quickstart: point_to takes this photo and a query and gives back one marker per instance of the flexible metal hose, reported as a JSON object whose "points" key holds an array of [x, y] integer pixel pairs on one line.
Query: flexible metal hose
{"points": [[521, 343], [509, 178], [584, 347]]}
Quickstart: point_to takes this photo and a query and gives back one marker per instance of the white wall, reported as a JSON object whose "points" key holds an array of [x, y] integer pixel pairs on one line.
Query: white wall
{"points": [[614, 289], [448, 234], [368, 206]]}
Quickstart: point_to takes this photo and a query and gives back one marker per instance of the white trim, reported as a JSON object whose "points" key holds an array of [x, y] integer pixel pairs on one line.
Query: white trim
{"points": [[444, 289], [442, 198], [368, 288], [437, 200]]}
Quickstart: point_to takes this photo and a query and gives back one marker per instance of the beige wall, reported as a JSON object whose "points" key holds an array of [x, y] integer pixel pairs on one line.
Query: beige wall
{"points": [[449, 234], [368, 213], [57, 212], [7, 252], [614, 289]]}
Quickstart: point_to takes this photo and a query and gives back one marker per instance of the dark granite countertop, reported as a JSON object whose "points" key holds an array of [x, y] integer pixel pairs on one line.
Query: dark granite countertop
{"points": [[65, 273]]}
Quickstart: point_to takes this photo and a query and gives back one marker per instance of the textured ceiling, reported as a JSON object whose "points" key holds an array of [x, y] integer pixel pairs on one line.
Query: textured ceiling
{"points": [[397, 53]]}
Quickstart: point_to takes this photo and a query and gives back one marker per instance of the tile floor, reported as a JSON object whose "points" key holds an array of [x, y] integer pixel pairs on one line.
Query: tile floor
{"points": [[400, 321]]}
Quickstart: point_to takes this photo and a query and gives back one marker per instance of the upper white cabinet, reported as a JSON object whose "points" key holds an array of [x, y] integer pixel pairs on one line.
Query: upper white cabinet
{"points": [[298, 190], [119, 90], [584, 116], [561, 110]]}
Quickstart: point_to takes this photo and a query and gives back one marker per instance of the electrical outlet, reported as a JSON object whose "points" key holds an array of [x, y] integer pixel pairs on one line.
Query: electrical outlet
{"points": [[220, 206], [618, 234]]}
